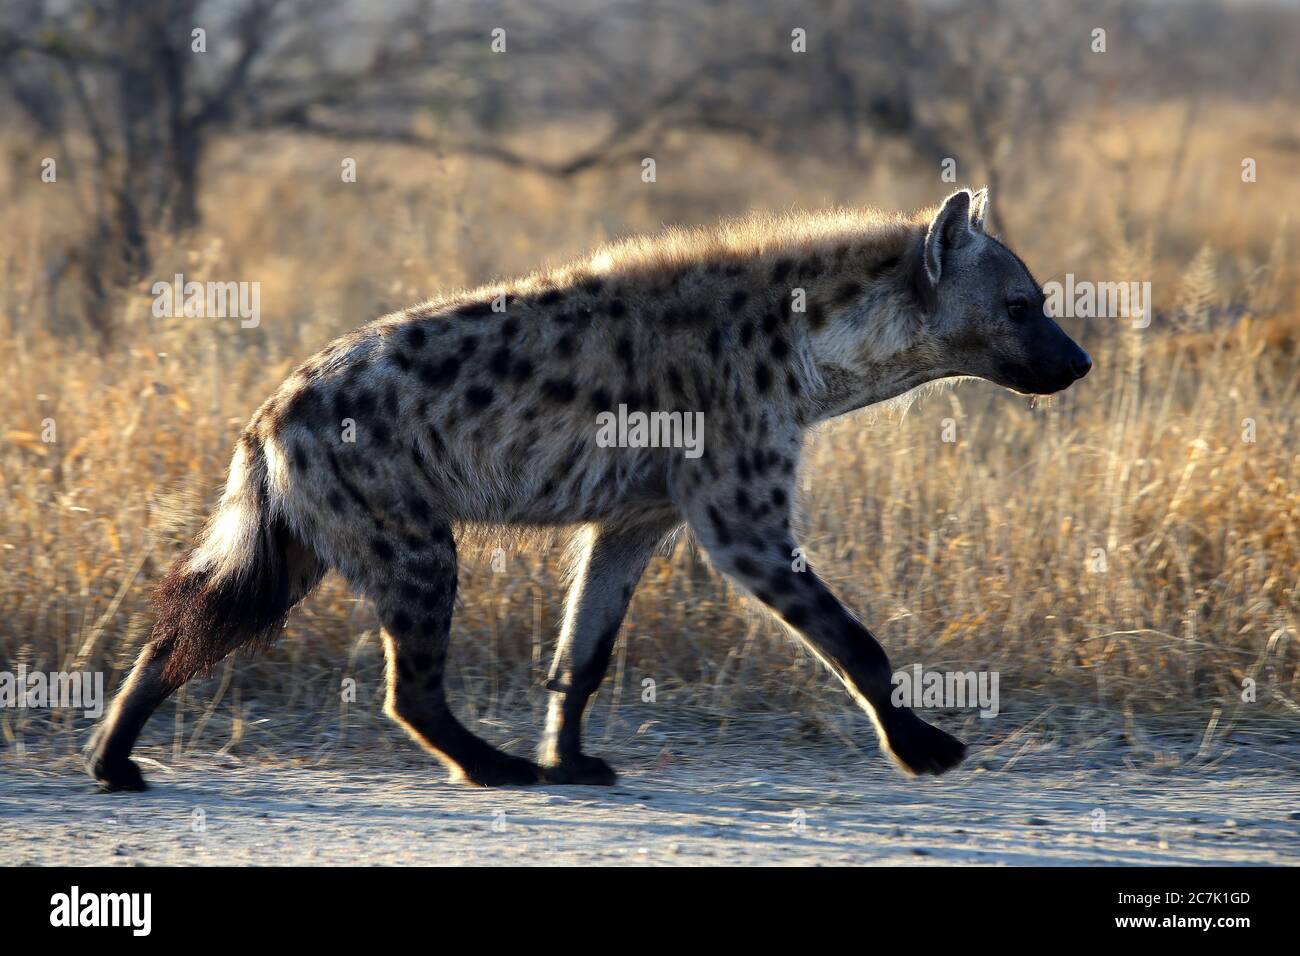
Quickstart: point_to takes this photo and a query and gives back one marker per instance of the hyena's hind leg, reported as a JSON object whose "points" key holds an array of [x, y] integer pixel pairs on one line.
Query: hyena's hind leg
{"points": [[610, 562], [415, 595], [200, 621]]}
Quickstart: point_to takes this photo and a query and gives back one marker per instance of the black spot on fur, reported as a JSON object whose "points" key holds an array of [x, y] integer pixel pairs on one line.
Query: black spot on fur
{"points": [[442, 374], [550, 297], [509, 327], [306, 407], [623, 349], [675, 383], [738, 300], [475, 309], [522, 371], [418, 509], [478, 397], [762, 378], [778, 497], [342, 479], [617, 309], [780, 580], [559, 390], [780, 348], [600, 401], [499, 364], [342, 405], [415, 337], [715, 342], [383, 550], [847, 292], [746, 567], [719, 526], [781, 269], [746, 334], [703, 391]]}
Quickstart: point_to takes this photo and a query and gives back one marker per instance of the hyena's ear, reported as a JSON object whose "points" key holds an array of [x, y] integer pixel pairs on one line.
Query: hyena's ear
{"points": [[979, 209], [949, 230]]}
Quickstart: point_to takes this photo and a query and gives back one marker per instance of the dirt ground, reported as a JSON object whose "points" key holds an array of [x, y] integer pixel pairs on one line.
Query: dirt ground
{"points": [[745, 796]]}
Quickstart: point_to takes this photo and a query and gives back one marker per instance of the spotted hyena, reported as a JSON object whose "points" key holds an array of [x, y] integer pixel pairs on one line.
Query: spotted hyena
{"points": [[485, 409]]}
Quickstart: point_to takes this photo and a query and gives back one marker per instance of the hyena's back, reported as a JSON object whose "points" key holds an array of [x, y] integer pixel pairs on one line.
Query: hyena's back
{"points": [[476, 415]]}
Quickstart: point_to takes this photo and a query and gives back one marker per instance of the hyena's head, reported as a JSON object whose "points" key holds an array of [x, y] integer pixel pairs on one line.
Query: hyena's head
{"points": [[987, 315]]}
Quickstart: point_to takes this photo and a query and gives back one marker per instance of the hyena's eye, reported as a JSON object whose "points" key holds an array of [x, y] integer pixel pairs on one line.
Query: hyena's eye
{"points": [[1018, 310]]}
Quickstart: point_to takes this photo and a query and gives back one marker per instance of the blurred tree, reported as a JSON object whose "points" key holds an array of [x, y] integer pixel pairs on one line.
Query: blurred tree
{"points": [[129, 86]]}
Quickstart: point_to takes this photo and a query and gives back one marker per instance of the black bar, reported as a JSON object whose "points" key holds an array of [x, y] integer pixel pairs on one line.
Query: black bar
{"points": [[298, 906]]}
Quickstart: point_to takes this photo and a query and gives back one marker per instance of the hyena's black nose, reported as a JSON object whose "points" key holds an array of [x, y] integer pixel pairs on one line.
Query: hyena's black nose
{"points": [[1080, 364]]}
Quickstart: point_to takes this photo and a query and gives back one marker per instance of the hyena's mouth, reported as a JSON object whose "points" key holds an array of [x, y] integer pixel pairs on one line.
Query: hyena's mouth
{"points": [[1033, 382]]}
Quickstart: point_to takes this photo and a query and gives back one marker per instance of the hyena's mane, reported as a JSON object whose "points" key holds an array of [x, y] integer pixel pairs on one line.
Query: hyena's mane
{"points": [[869, 236]]}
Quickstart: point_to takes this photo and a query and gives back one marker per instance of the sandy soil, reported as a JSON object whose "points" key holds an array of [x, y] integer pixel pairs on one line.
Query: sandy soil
{"points": [[695, 800]]}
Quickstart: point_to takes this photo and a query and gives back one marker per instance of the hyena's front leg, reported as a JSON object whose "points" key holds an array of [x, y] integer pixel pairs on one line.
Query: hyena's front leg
{"points": [[609, 565], [745, 527]]}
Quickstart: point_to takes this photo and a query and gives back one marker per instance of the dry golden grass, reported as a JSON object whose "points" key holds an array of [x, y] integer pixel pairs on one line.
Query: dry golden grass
{"points": [[976, 553]]}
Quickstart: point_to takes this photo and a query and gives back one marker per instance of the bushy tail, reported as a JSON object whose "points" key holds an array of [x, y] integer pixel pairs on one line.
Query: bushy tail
{"points": [[236, 587]]}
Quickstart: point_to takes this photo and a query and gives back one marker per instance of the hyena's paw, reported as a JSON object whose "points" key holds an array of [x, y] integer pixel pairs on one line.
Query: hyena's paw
{"points": [[121, 775], [499, 771], [919, 748], [581, 769]]}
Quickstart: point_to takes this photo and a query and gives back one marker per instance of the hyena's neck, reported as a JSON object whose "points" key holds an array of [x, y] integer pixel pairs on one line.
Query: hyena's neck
{"points": [[863, 328], [847, 390]]}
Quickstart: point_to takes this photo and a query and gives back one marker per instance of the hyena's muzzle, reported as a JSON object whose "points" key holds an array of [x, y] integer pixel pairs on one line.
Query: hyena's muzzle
{"points": [[1042, 360]]}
